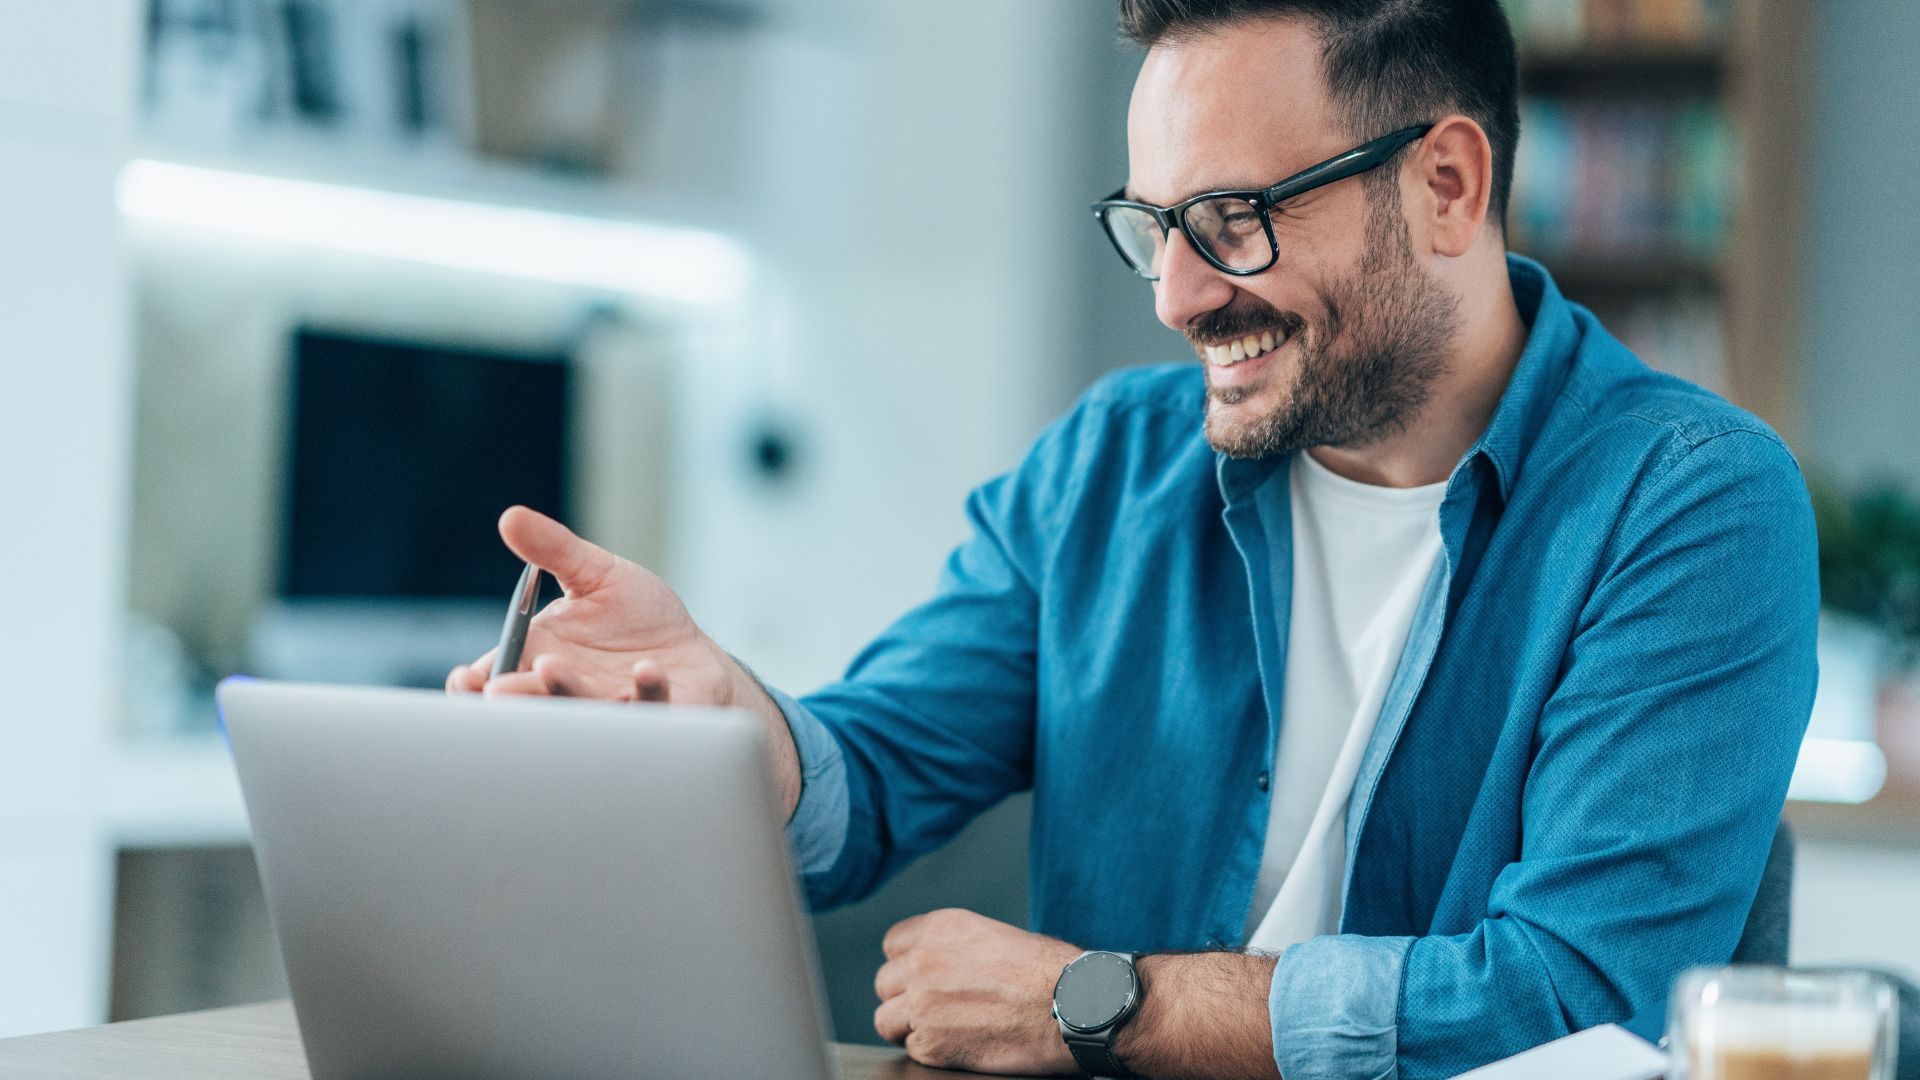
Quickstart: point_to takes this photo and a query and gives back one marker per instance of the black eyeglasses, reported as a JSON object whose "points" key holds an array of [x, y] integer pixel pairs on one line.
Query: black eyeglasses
{"points": [[1226, 227]]}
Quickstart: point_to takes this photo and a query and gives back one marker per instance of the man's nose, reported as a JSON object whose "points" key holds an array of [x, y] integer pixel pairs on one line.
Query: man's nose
{"points": [[1189, 285]]}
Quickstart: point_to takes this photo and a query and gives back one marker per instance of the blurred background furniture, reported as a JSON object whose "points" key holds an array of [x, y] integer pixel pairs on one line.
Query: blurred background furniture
{"points": [[1766, 937]]}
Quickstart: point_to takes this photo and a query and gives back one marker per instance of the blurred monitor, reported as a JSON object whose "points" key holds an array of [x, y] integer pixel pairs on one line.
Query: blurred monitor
{"points": [[401, 456]]}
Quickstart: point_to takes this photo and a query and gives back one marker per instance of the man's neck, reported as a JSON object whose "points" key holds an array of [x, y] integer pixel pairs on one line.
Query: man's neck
{"points": [[1462, 402]]}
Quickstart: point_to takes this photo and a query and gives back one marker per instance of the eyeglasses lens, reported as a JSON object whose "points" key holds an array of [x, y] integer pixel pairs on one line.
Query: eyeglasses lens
{"points": [[1229, 229], [1138, 237], [1232, 231]]}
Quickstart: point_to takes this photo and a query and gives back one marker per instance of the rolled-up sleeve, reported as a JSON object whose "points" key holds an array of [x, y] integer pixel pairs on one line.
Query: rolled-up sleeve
{"points": [[818, 828], [1335, 1002]]}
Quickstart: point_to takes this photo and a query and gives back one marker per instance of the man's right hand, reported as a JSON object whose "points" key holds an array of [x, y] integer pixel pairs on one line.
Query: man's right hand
{"points": [[620, 634]]}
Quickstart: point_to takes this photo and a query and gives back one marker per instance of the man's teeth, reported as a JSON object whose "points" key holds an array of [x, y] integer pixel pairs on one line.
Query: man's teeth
{"points": [[1247, 348]]}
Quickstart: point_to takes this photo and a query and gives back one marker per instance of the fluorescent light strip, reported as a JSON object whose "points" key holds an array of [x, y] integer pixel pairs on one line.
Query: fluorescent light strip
{"points": [[1838, 770], [679, 264]]}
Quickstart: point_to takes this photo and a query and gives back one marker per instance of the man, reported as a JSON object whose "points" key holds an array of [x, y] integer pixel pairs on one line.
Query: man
{"points": [[1413, 681]]}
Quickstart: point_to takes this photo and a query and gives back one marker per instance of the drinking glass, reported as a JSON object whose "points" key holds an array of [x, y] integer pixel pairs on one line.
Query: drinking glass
{"points": [[1769, 1023]]}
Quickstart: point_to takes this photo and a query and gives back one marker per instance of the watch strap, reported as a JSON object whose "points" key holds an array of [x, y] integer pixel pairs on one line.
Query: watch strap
{"points": [[1095, 1058]]}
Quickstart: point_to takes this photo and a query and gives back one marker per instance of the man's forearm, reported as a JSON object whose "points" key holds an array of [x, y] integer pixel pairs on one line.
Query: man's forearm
{"points": [[1203, 1015], [750, 693]]}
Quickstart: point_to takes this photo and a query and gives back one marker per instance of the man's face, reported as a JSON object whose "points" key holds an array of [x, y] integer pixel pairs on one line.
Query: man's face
{"points": [[1345, 334]]}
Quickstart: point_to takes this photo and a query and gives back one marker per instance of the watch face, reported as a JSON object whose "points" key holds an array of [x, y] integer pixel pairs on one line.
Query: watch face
{"points": [[1094, 991]]}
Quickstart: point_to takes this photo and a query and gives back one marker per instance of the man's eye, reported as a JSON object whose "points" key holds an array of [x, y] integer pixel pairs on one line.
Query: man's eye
{"points": [[1241, 223]]}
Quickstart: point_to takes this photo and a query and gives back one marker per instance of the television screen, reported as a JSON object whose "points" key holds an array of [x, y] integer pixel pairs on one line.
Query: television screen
{"points": [[403, 455]]}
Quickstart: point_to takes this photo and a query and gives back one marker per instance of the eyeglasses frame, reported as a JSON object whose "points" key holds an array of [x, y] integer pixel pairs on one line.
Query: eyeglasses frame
{"points": [[1363, 158]]}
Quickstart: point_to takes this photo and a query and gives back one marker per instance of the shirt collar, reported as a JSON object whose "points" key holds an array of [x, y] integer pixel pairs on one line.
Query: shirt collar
{"points": [[1537, 378], [1552, 339]]}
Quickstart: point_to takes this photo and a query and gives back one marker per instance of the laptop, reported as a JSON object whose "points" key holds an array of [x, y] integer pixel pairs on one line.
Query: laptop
{"points": [[523, 888]]}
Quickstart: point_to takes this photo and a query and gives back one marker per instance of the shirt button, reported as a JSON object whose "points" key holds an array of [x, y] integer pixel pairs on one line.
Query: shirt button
{"points": [[1266, 780]]}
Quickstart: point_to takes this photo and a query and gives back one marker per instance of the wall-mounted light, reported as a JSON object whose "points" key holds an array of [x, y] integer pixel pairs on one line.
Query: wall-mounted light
{"points": [[657, 261]]}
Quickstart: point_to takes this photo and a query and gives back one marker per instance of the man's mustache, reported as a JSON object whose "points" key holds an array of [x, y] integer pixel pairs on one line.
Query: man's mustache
{"points": [[1225, 327]]}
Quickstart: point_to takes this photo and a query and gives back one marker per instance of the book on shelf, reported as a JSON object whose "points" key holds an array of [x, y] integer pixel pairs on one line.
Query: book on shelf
{"points": [[1681, 335], [1625, 25], [1623, 180], [220, 77]]}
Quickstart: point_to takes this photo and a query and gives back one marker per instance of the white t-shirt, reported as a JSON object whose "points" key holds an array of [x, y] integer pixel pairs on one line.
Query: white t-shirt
{"points": [[1361, 558]]}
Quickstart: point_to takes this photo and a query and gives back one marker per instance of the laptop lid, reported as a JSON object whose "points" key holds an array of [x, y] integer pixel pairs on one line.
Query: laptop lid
{"points": [[476, 888]]}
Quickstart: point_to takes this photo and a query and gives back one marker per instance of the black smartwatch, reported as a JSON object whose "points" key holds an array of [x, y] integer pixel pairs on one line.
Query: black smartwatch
{"points": [[1096, 995]]}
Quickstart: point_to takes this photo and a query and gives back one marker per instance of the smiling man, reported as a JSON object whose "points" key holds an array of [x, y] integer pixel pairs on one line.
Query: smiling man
{"points": [[1413, 680]]}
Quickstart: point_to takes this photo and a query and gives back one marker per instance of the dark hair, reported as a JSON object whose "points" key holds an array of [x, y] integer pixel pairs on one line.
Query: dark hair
{"points": [[1388, 63]]}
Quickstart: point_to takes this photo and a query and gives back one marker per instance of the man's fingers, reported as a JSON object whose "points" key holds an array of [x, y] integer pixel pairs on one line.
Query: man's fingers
{"points": [[519, 684], [561, 678], [900, 937], [470, 678], [649, 681], [457, 680], [536, 538], [890, 981], [891, 1020], [550, 675]]}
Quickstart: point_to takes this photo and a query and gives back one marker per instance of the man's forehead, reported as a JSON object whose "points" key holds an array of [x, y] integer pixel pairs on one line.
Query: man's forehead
{"points": [[1240, 106]]}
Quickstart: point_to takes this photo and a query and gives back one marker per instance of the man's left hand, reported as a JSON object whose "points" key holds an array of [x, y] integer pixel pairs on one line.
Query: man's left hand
{"points": [[962, 991]]}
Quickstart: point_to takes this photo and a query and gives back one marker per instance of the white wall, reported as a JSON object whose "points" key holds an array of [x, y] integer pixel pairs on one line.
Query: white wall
{"points": [[65, 98], [922, 336], [1855, 904], [1860, 330]]}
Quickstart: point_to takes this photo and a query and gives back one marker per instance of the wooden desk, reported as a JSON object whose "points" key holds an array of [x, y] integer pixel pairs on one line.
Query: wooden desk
{"points": [[260, 1042]]}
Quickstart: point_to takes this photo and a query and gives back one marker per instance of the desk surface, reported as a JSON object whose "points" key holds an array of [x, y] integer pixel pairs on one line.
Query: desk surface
{"points": [[260, 1042]]}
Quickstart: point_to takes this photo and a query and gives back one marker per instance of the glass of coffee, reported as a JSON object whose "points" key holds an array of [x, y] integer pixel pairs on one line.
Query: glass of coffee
{"points": [[1768, 1023]]}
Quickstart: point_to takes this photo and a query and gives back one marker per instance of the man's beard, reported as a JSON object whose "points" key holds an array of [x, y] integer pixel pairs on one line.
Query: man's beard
{"points": [[1365, 371]]}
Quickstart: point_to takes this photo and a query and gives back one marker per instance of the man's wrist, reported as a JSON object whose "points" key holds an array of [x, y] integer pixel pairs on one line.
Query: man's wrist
{"points": [[749, 693], [1201, 1014]]}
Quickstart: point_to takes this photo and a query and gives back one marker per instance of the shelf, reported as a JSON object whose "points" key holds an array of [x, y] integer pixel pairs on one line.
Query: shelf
{"points": [[179, 792], [1888, 820], [1639, 70], [1625, 275]]}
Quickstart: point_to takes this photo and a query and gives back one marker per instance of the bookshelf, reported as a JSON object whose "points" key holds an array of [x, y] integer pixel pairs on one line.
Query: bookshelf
{"points": [[1660, 179]]}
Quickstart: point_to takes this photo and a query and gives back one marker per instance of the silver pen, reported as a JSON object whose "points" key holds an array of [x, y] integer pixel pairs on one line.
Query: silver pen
{"points": [[513, 635]]}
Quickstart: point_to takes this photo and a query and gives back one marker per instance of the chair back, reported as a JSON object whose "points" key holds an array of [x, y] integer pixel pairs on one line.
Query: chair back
{"points": [[1764, 940]]}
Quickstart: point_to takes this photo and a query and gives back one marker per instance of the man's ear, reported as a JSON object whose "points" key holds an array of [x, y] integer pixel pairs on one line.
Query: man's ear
{"points": [[1454, 167]]}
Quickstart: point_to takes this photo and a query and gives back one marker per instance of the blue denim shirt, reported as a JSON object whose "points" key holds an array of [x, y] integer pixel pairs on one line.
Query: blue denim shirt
{"points": [[1573, 783]]}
